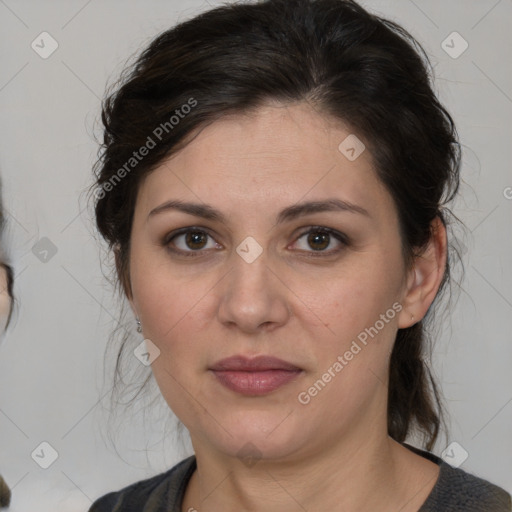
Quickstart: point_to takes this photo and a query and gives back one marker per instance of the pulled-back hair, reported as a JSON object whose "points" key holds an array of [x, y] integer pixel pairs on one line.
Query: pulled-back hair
{"points": [[348, 64]]}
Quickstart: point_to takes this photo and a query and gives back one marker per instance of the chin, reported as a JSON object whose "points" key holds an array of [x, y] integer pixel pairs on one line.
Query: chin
{"points": [[257, 435]]}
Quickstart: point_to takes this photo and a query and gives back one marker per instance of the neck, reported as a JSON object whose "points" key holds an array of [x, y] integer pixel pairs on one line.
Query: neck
{"points": [[362, 473]]}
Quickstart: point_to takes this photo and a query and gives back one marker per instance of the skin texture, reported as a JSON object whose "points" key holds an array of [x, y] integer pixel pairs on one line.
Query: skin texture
{"points": [[333, 453]]}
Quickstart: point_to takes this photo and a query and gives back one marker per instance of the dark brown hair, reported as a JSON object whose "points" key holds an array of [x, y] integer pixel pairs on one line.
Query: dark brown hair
{"points": [[348, 64]]}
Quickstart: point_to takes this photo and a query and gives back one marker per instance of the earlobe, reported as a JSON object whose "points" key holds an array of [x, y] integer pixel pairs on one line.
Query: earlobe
{"points": [[425, 277]]}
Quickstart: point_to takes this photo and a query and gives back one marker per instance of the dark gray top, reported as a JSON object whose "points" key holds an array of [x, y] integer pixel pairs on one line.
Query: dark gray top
{"points": [[454, 491]]}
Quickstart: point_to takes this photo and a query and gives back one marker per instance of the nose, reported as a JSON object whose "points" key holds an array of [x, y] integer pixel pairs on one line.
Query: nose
{"points": [[253, 297]]}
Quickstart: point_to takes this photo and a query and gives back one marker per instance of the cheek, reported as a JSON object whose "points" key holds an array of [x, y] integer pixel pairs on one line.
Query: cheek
{"points": [[172, 309], [353, 362], [354, 300], [170, 314], [360, 310], [164, 297]]}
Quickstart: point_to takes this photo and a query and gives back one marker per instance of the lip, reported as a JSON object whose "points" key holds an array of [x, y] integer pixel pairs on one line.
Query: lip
{"points": [[254, 364], [256, 376]]}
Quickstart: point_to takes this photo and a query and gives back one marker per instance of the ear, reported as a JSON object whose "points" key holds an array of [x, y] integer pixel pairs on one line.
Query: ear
{"points": [[424, 277]]}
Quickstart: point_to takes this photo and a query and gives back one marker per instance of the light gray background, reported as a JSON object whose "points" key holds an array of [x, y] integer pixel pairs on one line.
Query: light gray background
{"points": [[51, 358]]}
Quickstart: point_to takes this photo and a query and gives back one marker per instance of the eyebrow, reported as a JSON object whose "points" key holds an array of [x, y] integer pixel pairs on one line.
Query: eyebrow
{"points": [[290, 213]]}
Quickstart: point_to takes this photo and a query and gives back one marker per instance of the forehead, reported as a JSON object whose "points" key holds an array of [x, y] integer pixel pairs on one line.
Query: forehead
{"points": [[276, 154]]}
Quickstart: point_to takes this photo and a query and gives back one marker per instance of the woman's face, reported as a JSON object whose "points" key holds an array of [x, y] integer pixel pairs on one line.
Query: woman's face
{"points": [[260, 282]]}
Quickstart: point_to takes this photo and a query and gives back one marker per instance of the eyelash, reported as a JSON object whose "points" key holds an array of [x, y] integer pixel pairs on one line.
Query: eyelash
{"points": [[343, 239]]}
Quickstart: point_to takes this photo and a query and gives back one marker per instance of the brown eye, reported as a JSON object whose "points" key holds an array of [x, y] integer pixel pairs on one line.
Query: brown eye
{"points": [[195, 239], [188, 241], [320, 239]]}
